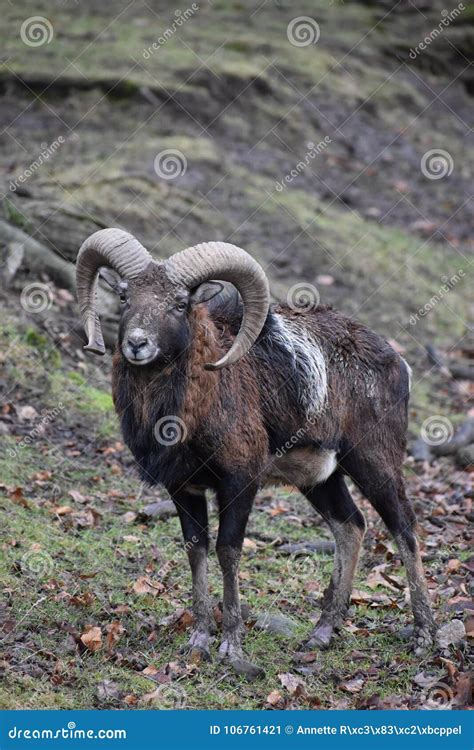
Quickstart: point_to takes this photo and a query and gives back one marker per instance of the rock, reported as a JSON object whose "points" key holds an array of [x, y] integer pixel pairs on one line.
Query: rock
{"points": [[26, 413], [465, 457], [451, 633], [420, 450], [277, 624], [248, 670], [464, 436], [13, 261], [405, 633], [321, 545], [4, 429], [162, 510]]}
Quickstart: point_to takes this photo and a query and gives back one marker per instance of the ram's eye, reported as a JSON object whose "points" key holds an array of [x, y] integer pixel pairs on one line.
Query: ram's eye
{"points": [[181, 306]]}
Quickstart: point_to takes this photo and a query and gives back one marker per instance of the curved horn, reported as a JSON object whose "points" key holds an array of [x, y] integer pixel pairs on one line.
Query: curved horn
{"points": [[225, 262], [107, 247]]}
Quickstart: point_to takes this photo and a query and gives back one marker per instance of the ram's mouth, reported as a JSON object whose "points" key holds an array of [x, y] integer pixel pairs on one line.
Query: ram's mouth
{"points": [[142, 357]]}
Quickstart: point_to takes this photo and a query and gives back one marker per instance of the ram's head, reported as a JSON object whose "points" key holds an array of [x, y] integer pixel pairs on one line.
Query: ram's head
{"points": [[157, 298]]}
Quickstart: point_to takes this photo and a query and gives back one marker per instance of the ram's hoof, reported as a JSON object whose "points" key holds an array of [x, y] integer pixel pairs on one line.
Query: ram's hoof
{"points": [[422, 640], [197, 648], [320, 638], [231, 653], [229, 650]]}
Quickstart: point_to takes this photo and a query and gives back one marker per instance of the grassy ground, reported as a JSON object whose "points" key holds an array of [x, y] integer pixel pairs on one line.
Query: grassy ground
{"points": [[78, 552], [240, 103]]}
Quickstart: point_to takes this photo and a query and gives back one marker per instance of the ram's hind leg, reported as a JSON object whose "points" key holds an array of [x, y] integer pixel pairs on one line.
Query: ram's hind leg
{"points": [[192, 512], [387, 494], [334, 502]]}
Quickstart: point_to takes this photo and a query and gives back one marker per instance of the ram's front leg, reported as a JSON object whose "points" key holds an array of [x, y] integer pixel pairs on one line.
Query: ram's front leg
{"points": [[192, 512], [235, 499]]}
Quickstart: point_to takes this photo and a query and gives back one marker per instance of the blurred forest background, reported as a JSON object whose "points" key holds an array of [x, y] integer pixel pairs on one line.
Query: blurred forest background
{"points": [[332, 140]]}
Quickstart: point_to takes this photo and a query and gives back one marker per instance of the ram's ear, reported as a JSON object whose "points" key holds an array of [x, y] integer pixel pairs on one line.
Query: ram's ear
{"points": [[205, 292], [111, 278]]}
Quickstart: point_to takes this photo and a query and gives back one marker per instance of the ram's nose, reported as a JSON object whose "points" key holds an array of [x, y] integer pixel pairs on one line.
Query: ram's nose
{"points": [[137, 342]]}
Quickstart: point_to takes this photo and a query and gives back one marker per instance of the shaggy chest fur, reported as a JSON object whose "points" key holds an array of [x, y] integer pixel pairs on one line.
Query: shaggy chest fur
{"points": [[279, 415]]}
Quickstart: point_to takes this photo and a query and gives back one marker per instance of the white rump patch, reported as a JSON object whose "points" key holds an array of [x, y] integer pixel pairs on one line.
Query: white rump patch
{"points": [[409, 371], [301, 467], [309, 362]]}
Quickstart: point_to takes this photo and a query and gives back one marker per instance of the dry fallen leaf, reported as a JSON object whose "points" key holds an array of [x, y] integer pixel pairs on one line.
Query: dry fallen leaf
{"points": [[364, 597], [61, 510], [76, 496], [92, 638], [150, 671], [453, 565], [325, 279], [129, 516], [249, 544], [17, 496], [290, 682], [470, 627], [26, 413], [145, 585], [130, 700], [354, 685], [107, 690], [114, 631], [274, 698]]}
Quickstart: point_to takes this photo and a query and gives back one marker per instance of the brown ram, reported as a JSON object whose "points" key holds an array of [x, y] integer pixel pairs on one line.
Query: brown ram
{"points": [[214, 394]]}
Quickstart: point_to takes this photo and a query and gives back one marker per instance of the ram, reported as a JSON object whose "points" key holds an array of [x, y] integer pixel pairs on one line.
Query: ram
{"points": [[218, 394]]}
